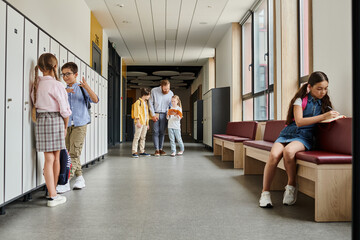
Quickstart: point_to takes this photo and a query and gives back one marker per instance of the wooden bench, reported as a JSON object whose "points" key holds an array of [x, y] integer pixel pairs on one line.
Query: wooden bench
{"points": [[230, 145], [324, 174]]}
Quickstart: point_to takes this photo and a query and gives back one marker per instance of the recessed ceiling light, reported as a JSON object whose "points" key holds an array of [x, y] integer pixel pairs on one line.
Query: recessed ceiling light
{"points": [[125, 21], [209, 6], [203, 22], [120, 5]]}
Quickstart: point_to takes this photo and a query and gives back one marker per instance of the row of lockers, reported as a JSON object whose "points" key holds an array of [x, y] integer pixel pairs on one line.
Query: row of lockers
{"points": [[21, 43]]}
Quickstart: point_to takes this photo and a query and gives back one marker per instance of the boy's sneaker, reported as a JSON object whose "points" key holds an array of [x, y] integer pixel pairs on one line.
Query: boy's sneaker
{"points": [[144, 154], [265, 200], [63, 188], [173, 154], [157, 153], [135, 155], [79, 183], [59, 199], [180, 153], [290, 195], [162, 153]]}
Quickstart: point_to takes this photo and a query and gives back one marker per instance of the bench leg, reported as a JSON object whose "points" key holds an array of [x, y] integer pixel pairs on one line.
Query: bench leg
{"points": [[238, 157], [227, 155], [252, 166], [333, 195], [217, 150]]}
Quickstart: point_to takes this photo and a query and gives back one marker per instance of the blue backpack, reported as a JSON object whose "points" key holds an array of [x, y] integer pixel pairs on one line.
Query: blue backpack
{"points": [[65, 167]]}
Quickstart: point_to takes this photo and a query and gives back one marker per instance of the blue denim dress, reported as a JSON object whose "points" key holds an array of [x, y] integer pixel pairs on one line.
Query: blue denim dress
{"points": [[304, 134]]}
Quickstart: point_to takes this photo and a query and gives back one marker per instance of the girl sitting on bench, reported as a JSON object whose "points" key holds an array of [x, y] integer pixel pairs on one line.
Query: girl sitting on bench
{"points": [[310, 105]]}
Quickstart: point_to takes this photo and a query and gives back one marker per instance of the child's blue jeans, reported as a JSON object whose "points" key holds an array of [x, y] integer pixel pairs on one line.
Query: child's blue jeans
{"points": [[175, 133]]}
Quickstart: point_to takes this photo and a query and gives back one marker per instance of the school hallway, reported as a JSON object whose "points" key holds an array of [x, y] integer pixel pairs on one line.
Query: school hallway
{"points": [[194, 196]]}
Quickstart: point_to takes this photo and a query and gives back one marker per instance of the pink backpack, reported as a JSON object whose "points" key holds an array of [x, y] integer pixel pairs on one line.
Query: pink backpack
{"points": [[304, 102]]}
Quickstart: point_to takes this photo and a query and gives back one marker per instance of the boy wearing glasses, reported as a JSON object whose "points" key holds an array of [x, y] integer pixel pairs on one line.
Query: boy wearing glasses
{"points": [[79, 95]]}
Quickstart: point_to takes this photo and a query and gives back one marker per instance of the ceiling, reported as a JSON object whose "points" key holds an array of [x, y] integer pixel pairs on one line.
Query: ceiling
{"points": [[167, 32]]}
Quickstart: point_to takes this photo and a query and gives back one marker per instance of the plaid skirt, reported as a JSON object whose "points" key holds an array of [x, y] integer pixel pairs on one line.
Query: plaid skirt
{"points": [[49, 132]]}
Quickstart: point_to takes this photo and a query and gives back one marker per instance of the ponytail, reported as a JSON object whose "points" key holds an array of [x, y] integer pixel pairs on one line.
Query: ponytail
{"points": [[301, 93], [55, 74], [34, 91]]}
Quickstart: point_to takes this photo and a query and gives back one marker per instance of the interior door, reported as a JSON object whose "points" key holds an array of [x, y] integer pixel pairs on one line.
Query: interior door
{"points": [[29, 149], [14, 96]]}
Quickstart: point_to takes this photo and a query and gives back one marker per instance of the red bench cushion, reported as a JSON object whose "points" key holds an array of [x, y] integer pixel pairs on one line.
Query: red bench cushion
{"points": [[322, 157], [264, 145], [245, 129], [231, 138], [273, 129]]}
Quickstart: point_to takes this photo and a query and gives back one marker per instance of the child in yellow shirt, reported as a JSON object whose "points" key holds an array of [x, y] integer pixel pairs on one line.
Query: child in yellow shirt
{"points": [[141, 121]]}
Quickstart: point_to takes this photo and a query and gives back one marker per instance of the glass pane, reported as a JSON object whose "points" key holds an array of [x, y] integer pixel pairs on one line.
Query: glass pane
{"points": [[304, 38], [260, 48], [272, 110], [261, 110], [248, 110], [271, 42], [247, 56]]}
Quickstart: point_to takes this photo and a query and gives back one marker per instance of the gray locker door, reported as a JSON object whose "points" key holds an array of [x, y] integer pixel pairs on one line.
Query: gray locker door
{"points": [[29, 150], [2, 95], [55, 50], [106, 116], [62, 61], [100, 94], [44, 43], [78, 63], [92, 125], [102, 116], [88, 130], [96, 108], [14, 99], [71, 57]]}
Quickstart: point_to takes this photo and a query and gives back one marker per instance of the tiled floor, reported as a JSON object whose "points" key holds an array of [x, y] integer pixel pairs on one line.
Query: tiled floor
{"points": [[194, 196]]}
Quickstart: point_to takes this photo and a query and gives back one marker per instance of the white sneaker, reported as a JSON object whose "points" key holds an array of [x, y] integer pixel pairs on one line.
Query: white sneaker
{"points": [[53, 202], [290, 195], [63, 188], [265, 200], [79, 183]]}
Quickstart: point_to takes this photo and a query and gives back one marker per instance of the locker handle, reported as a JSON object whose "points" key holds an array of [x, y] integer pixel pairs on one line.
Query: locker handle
{"points": [[31, 41], [26, 102], [15, 30], [9, 99]]}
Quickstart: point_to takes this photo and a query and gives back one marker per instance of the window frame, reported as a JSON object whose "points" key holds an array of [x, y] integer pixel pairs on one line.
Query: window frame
{"points": [[270, 87]]}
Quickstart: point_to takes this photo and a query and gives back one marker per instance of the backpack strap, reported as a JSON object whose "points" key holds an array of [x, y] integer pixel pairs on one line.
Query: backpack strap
{"points": [[88, 105], [304, 102]]}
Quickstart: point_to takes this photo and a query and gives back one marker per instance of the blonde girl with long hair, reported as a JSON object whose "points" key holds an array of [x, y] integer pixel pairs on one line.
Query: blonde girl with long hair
{"points": [[174, 115], [51, 113]]}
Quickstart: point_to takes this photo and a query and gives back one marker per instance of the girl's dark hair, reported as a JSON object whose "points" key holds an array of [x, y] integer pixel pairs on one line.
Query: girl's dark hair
{"points": [[145, 91], [314, 78]]}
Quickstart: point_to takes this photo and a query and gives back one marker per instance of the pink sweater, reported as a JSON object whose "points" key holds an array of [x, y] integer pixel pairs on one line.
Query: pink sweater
{"points": [[51, 96]]}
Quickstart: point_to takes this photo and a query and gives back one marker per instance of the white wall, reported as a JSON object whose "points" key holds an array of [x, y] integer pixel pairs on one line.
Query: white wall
{"points": [[67, 21], [332, 49], [224, 60]]}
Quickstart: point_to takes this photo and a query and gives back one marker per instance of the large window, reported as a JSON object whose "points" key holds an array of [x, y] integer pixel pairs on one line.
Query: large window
{"points": [[257, 77]]}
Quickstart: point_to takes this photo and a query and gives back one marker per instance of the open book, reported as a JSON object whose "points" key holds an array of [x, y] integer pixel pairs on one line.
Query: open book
{"points": [[333, 119]]}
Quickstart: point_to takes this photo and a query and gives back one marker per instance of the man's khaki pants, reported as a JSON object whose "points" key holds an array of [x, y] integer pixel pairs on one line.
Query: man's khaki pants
{"points": [[140, 133], [74, 143]]}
